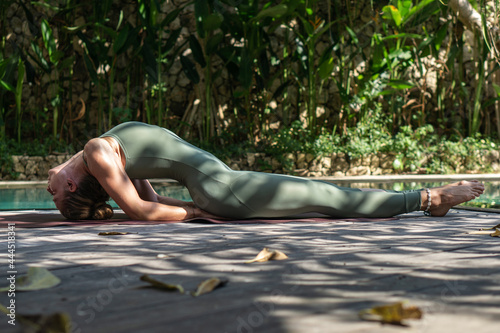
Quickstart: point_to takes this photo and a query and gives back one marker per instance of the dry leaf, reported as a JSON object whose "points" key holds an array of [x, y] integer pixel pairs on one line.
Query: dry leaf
{"points": [[81, 113], [492, 228], [208, 286], [164, 256], [391, 313], [56, 322], [114, 233], [266, 255], [162, 285], [479, 232], [496, 233], [37, 278]]}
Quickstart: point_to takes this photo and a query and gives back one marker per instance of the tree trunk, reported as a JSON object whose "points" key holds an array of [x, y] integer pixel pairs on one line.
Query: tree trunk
{"points": [[466, 14]]}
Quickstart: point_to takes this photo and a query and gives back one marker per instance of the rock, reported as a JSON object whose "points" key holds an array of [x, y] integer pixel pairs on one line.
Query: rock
{"points": [[31, 168], [17, 25], [18, 166], [386, 161], [488, 157], [61, 159], [326, 162], [251, 159], [358, 171], [340, 163], [301, 161], [374, 161], [43, 169], [315, 166], [309, 157], [275, 164], [355, 162]]}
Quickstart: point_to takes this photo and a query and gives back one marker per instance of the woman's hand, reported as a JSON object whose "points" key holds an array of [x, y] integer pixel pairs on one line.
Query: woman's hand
{"points": [[195, 212]]}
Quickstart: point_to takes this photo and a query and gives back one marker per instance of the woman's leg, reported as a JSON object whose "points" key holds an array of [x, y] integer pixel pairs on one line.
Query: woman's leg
{"points": [[274, 195]]}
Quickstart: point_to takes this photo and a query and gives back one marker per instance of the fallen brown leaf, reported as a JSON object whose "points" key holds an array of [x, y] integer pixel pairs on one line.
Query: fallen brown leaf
{"points": [[35, 279], [209, 285], [496, 233], [391, 313], [55, 322], [492, 228], [162, 285], [114, 233], [266, 255]]}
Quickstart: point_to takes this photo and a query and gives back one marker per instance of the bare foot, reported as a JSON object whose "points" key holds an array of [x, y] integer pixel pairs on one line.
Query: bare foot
{"points": [[445, 197]]}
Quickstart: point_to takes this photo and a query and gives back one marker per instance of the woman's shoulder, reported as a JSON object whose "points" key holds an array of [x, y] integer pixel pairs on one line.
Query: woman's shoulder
{"points": [[100, 147], [94, 144]]}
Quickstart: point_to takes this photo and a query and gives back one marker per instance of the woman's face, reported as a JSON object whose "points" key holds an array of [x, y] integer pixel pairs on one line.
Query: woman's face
{"points": [[57, 185]]}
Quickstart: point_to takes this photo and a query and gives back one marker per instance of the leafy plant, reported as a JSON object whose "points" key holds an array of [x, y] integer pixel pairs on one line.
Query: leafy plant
{"points": [[313, 71]]}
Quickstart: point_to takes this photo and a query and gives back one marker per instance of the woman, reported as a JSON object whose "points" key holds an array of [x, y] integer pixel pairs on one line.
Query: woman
{"points": [[118, 163]]}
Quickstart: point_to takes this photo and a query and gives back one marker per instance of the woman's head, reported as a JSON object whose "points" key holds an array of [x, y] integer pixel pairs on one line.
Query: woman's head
{"points": [[87, 201]]}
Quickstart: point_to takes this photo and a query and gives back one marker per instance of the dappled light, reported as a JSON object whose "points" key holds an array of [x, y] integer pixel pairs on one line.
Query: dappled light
{"points": [[333, 270]]}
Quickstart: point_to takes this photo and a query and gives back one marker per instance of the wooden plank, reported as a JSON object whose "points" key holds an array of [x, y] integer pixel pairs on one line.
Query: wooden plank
{"points": [[334, 270]]}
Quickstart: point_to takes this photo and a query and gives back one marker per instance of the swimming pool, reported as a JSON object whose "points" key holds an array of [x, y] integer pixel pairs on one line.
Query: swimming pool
{"points": [[35, 196]]}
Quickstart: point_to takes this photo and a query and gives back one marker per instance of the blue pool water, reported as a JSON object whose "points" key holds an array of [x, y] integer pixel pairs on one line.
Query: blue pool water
{"points": [[37, 197]]}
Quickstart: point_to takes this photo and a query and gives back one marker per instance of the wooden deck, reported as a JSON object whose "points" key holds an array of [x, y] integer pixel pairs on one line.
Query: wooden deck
{"points": [[334, 270]]}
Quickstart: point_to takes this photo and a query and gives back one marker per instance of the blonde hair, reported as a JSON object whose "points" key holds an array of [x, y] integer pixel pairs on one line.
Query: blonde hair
{"points": [[88, 202]]}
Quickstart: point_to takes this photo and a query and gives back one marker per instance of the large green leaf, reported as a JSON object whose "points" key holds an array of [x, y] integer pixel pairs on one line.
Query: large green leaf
{"points": [[150, 65], [21, 69], [497, 89], [121, 39], [198, 55], [404, 7], [440, 36], [7, 86], [245, 74], [170, 43], [189, 69], [49, 42], [201, 11], [90, 68], [213, 43], [325, 69], [400, 84], [402, 35], [392, 14], [171, 17], [275, 12], [422, 11], [212, 22]]}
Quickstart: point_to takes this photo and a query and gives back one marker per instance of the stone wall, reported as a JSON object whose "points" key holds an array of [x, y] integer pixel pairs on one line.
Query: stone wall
{"points": [[182, 95], [34, 167], [300, 164]]}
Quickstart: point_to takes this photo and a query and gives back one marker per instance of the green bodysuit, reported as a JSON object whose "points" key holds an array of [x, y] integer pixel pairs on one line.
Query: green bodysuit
{"points": [[155, 152]]}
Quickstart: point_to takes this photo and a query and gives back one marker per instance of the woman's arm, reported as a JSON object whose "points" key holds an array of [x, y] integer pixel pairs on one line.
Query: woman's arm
{"points": [[147, 192], [106, 166]]}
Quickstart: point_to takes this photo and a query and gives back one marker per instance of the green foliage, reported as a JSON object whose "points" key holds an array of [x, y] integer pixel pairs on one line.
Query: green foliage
{"points": [[368, 137], [298, 139], [378, 107], [6, 163]]}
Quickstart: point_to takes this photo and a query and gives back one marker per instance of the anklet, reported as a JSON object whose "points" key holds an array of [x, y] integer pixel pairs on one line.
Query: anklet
{"points": [[427, 211]]}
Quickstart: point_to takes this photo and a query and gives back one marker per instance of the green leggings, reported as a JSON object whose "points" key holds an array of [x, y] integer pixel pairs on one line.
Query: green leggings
{"points": [[155, 152]]}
